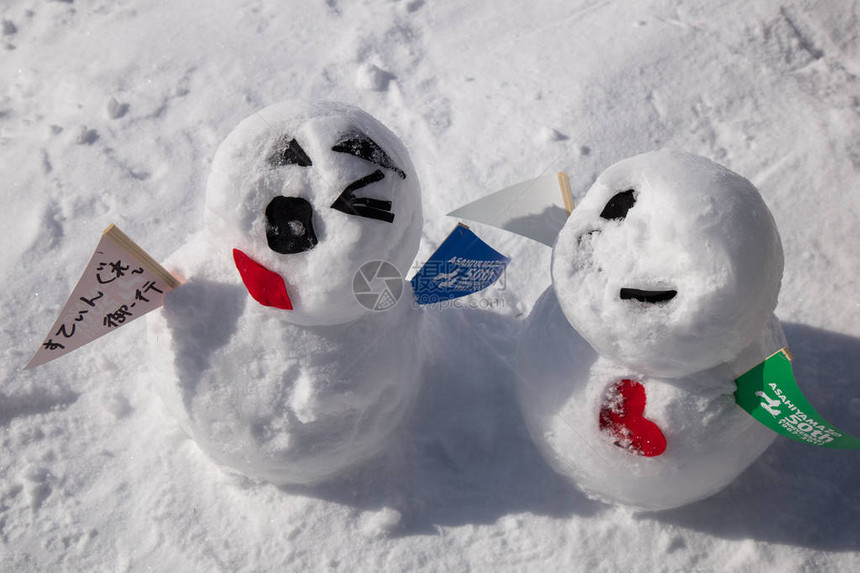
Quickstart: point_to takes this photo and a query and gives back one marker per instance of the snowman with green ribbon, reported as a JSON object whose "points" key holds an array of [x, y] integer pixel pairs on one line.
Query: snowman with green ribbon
{"points": [[665, 280]]}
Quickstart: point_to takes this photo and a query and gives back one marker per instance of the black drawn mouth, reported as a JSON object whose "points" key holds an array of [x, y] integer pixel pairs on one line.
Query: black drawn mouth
{"points": [[649, 296]]}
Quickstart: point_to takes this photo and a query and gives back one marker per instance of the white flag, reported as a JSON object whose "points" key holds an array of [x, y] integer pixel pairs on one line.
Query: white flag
{"points": [[537, 208], [121, 283]]}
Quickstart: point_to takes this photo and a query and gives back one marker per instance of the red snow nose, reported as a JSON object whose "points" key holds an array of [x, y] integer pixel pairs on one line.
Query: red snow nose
{"points": [[264, 286], [622, 416]]}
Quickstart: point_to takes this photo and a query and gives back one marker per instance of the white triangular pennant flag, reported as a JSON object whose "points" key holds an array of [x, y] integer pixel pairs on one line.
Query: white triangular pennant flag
{"points": [[537, 208], [121, 283]]}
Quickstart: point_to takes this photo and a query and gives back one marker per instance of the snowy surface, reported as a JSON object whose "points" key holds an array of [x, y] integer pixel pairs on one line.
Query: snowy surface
{"points": [[112, 112]]}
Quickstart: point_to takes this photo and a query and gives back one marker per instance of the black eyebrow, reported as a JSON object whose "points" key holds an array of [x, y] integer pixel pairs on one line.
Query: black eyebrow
{"points": [[348, 203], [358, 144], [288, 152]]}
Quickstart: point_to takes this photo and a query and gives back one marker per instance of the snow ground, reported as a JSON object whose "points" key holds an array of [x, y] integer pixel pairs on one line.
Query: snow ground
{"points": [[111, 111]]}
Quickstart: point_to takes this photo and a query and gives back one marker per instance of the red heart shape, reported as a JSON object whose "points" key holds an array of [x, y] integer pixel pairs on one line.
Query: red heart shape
{"points": [[264, 286], [621, 415]]}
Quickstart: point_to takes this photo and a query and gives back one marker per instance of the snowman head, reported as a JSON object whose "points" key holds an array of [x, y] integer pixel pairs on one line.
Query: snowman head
{"points": [[303, 194], [671, 264]]}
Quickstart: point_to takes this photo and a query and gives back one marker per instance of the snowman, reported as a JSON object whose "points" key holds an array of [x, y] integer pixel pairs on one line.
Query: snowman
{"points": [[665, 279], [285, 355]]}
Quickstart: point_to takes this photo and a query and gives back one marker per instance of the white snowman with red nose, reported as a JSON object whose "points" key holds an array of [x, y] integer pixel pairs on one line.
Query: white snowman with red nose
{"points": [[665, 279], [266, 355]]}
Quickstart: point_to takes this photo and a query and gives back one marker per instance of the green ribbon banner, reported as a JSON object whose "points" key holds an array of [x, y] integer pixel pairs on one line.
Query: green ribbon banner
{"points": [[769, 393]]}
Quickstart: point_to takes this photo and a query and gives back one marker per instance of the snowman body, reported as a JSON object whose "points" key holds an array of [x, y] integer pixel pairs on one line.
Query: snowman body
{"points": [[665, 279], [265, 355]]}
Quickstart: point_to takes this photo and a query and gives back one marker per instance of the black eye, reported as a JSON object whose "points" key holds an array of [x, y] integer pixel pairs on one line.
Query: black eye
{"points": [[348, 203], [289, 152], [617, 207]]}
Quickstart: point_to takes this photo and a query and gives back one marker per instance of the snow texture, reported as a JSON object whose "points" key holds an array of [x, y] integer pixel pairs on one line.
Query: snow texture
{"points": [[95, 473]]}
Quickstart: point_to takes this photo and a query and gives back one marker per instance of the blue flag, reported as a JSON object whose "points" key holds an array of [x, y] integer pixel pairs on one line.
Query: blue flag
{"points": [[463, 264]]}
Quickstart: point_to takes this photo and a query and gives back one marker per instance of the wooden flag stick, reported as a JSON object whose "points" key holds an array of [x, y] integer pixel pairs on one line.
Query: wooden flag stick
{"points": [[151, 264]]}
